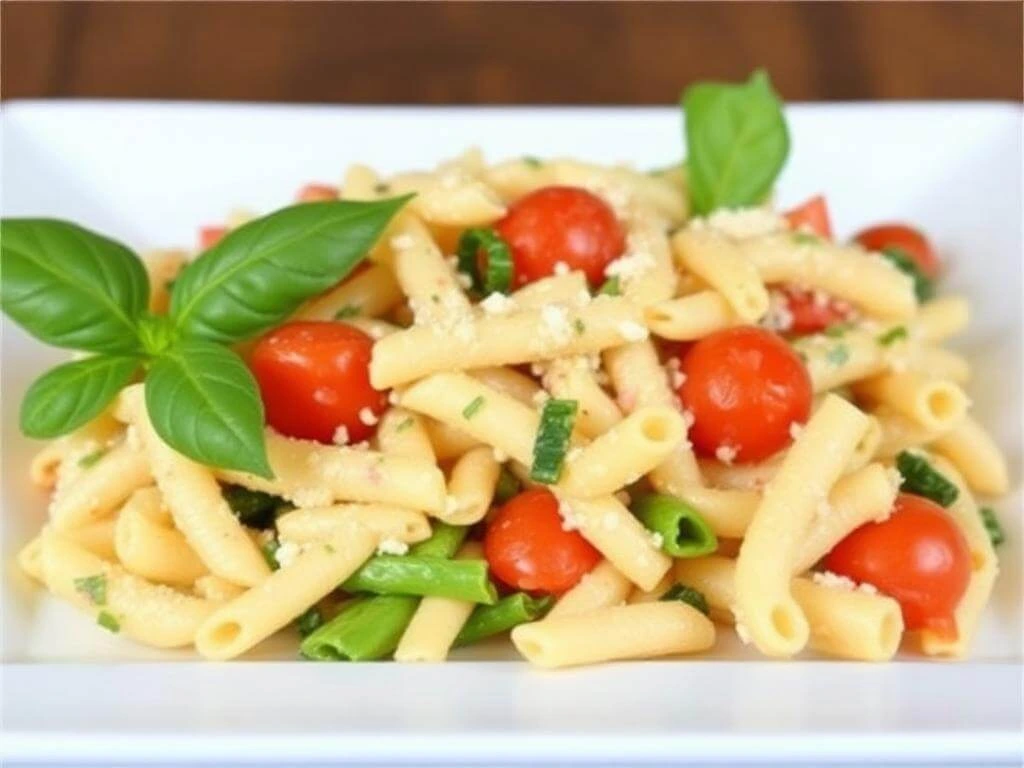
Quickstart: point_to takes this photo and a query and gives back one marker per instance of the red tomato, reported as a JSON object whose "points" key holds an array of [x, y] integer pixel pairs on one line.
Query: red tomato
{"points": [[812, 215], [918, 556], [909, 240], [312, 193], [561, 224], [811, 315], [744, 387], [210, 236], [527, 548], [314, 378]]}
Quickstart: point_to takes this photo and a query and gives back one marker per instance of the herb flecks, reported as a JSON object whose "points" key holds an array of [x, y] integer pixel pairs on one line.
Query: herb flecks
{"points": [[473, 407]]}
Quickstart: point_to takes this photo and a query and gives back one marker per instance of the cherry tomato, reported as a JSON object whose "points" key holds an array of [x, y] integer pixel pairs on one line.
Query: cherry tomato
{"points": [[210, 236], [812, 215], [314, 378], [527, 548], [745, 387], [909, 240], [918, 556], [810, 314], [561, 224], [312, 193]]}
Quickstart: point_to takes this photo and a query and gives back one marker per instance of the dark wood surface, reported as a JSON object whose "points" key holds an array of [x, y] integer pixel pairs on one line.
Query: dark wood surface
{"points": [[486, 52]]}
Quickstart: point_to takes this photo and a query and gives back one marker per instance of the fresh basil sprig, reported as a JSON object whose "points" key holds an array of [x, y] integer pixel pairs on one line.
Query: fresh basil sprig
{"points": [[73, 288], [736, 142]]}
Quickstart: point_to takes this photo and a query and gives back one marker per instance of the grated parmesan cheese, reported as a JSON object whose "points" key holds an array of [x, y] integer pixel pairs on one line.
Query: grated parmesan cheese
{"points": [[287, 553], [742, 223], [778, 317], [561, 268], [499, 455], [570, 522], [556, 323], [795, 429], [340, 436], [498, 304], [726, 454], [367, 416], [631, 266], [657, 540], [833, 581], [632, 331], [392, 547]]}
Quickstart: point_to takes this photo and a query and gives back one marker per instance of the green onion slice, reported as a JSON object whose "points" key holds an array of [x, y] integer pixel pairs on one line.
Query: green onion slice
{"points": [[498, 258], [991, 522], [552, 443]]}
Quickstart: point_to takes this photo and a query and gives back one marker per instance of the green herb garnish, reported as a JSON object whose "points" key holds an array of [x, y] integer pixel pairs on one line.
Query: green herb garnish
{"points": [[108, 621], [805, 238], [924, 286], [922, 479], [837, 330], [496, 257], [473, 407], [552, 441], [532, 162], [610, 287], [404, 424], [890, 337], [349, 310], [73, 288], [92, 458], [579, 327], [93, 587], [692, 597], [838, 355], [991, 522]]}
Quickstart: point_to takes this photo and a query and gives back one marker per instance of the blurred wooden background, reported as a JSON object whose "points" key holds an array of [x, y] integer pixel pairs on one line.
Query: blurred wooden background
{"points": [[470, 53]]}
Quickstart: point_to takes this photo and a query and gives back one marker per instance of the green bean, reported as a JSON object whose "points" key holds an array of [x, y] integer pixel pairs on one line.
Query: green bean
{"points": [[367, 628], [487, 620], [429, 576], [444, 541], [684, 533]]}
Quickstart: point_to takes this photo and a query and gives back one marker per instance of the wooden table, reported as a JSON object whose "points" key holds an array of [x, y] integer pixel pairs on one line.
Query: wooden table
{"points": [[472, 53]]}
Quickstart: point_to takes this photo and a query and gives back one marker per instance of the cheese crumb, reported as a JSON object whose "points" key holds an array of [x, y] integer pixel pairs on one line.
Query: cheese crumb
{"points": [[497, 304], [743, 223], [833, 581], [556, 323], [726, 454], [392, 547], [360, 446], [561, 268], [367, 416], [401, 242], [778, 317], [632, 331], [570, 522], [451, 505], [573, 454], [394, 398], [340, 436], [540, 397], [287, 553], [795, 429], [631, 266], [657, 539], [689, 419], [675, 376], [742, 632], [867, 589]]}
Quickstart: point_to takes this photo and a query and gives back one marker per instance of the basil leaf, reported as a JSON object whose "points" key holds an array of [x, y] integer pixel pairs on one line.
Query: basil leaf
{"points": [[71, 287], [736, 142], [258, 274], [203, 402], [72, 394]]}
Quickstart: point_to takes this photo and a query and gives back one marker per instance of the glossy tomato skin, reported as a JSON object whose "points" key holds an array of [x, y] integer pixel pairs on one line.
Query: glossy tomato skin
{"points": [[813, 216], [908, 239], [745, 388], [811, 315], [561, 224], [918, 556], [315, 377], [526, 547]]}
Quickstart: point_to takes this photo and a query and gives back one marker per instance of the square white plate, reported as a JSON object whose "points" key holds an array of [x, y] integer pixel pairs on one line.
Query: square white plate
{"points": [[149, 174]]}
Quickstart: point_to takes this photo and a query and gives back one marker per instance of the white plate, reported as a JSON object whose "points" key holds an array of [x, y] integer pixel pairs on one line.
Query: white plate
{"points": [[150, 173]]}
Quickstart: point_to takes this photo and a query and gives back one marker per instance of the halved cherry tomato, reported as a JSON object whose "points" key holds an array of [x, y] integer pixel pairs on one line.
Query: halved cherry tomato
{"points": [[812, 215], [561, 224], [527, 548], [918, 556], [810, 314], [745, 387], [909, 240], [314, 378], [312, 193], [210, 236]]}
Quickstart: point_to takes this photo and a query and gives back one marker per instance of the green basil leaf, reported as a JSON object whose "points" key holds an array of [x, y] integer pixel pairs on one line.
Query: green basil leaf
{"points": [[736, 142], [71, 287], [74, 393], [258, 274], [203, 402]]}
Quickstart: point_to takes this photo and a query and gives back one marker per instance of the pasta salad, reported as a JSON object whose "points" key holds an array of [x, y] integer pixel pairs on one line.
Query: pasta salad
{"points": [[603, 412]]}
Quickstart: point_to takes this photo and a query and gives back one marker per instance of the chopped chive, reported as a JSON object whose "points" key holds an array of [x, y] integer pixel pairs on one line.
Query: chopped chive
{"points": [[269, 551], [108, 621], [532, 162], [91, 458], [838, 355], [922, 479], [805, 238], [93, 587], [893, 335], [473, 407], [580, 327], [692, 597], [349, 310], [408, 422], [435, 298], [497, 277], [552, 442], [309, 621], [837, 330], [991, 522], [610, 287]]}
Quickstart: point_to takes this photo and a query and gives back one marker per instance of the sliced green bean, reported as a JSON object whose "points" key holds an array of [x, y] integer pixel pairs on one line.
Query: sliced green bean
{"points": [[367, 628], [444, 541], [428, 576], [509, 612], [684, 533]]}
